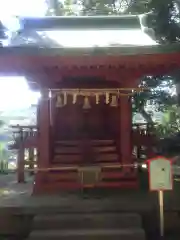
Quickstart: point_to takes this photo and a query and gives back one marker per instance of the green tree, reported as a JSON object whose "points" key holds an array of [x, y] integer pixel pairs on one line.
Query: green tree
{"points": [[55, 8], [96, 7], [158, 95], [164, 20], [164, 15], [170, 123], [59, 8], [169, 133], [99, 7]]}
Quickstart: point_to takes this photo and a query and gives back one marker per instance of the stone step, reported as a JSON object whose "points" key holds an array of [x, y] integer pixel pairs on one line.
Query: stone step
{"points": [[87, 221], [98, 234]]}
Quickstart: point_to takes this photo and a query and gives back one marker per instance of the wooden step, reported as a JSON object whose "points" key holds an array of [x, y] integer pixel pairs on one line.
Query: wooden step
{"points": [[63, 176], [100, 234], [102, 142], [103, 149], [66, 150], [108, 157], [77, 142], [75, 150], [67, 143], [67, 158]]}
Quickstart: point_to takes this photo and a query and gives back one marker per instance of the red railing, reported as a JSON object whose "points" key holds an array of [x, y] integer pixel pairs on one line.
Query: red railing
{"points": [[144, 129], [141, 133], [144, 139], [26, 135]]}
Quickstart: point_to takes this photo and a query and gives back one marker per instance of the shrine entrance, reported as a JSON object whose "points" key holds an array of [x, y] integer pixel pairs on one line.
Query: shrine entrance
{"points": [[88, 138], [93, 116], [86, 127], [75, 122]]}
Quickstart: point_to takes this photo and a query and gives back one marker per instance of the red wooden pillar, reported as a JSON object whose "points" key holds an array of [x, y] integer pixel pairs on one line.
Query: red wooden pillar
{"points": [[51, 109], [31, 160], [126, 130], [43, 140], [20, 160], [20, 167], [31, 153]]}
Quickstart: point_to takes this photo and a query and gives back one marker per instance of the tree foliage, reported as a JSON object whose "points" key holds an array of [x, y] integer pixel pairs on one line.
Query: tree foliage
{"points": [[165, 20], [158, 95], [164, 17], [170, 123], [96, 7], [169, 132]]}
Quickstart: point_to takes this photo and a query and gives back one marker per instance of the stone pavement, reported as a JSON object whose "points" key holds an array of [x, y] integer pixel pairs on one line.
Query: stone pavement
{"points": [[16, 198], [16, 195]]}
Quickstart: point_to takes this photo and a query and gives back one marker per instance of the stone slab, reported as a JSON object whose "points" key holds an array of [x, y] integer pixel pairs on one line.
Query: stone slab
{"points": [[100, 234], [87, 221]]}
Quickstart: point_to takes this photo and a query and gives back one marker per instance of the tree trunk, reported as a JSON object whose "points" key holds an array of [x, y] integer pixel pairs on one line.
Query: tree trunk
{"points": [[53, 6], [146, 116]]}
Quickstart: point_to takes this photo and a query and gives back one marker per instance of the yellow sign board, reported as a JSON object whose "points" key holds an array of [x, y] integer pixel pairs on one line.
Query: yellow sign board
{"points": [[160, 174]]}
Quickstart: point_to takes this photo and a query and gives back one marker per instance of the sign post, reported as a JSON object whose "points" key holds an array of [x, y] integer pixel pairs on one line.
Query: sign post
{"points": [[160, 180], [161, 212]]}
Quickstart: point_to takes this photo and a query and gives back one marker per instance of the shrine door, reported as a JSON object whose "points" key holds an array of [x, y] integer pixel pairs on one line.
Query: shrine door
{"points": [[99, 121]]}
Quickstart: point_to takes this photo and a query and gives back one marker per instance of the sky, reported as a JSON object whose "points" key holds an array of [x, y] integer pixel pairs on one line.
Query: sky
{"points": [[22, 7], [14, 92]]}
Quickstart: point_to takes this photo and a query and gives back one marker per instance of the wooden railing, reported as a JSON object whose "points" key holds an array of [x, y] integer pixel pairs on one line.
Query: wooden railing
{"points": [[144, 139], [23, 134], [144, 129], [141, 133]]}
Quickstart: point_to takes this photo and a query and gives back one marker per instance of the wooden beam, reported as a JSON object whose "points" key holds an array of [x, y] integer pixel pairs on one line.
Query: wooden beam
{"points": [[80, 23]]}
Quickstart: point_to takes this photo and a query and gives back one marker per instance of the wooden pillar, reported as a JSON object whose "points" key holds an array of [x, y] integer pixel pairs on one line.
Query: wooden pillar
{"points": [[44, 130], [20, 160], [31, 154], [126, 130], [51, 109], [31, 160], [43, 139]]}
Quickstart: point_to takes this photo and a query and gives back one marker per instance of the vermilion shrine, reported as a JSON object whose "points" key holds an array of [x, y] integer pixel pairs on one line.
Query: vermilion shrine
{"points": [[84, 134]]}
